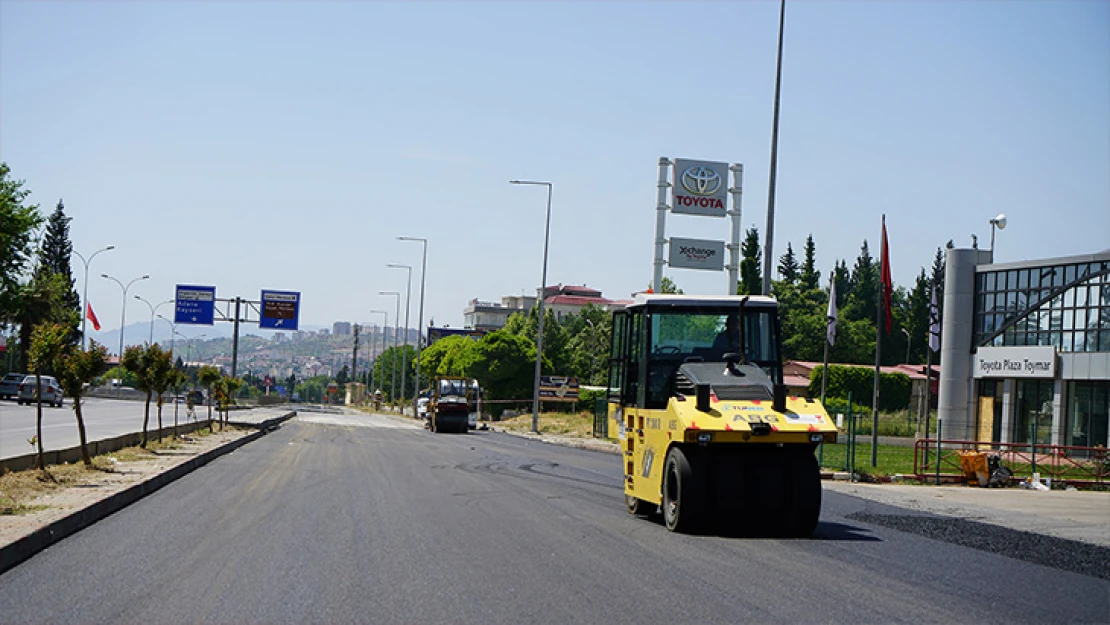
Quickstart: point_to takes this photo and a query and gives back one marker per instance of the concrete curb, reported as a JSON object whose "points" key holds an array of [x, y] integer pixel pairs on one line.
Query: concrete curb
{"points": [[22, 549]]}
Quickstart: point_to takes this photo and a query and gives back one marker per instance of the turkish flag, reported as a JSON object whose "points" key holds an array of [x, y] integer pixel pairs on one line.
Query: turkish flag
{"points": [[91, 316], [888, 284]]}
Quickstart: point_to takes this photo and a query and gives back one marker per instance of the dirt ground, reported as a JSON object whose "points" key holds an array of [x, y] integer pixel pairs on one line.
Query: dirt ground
{"points": [[30, 501]]}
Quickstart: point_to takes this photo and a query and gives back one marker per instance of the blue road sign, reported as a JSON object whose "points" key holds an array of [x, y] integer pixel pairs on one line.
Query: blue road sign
{"points": [[280, 310], [195, 304]]}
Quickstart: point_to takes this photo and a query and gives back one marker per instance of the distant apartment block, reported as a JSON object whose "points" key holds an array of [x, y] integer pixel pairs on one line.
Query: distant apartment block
{"points": [[562, 300], [341, 328]]}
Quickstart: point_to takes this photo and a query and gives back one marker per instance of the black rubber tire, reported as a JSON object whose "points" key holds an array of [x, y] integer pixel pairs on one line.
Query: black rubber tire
{"points": [[803, 505], [639, 507], [683, 494]]}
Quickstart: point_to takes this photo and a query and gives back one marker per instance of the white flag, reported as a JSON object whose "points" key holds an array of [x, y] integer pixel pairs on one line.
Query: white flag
{"points": [[831, 314], [934, 321]]}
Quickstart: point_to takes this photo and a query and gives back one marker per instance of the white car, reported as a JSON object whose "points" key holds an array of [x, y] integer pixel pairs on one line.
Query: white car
{"points": [[422, 407]]}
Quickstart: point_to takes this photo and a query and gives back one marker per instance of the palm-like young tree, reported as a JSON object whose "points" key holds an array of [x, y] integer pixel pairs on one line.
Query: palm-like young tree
{"points": [[208, 375], [47, 342], [144, 363], [73, 369]]}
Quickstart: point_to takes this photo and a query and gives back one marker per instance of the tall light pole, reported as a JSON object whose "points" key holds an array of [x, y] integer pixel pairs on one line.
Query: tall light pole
{"points": [[153, 310], [543, 287], [173, 331], [420, 321], [405, 352], [770, 239], [385, 322], [396, 319], [907, 333], [85, 293], [123, 311]]}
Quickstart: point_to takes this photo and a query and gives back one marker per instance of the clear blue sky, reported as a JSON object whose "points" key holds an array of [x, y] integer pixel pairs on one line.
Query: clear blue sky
{"points": [[284, 145]]}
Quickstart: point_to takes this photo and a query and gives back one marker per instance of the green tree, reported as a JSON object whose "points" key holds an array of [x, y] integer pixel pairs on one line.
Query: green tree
{"points": [[42, 300], [177, 381], [788, 266], [74, 369], [751, 278], [863, 288], [208, 375], [434, 356], [47, 342], [54, 259], [810, 276], [146, 362], [18, 223], [503, 363], [666, 285]]}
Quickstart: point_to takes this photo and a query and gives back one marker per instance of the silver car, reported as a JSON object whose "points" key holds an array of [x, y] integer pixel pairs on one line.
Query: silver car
{"points": [[51, 391]]}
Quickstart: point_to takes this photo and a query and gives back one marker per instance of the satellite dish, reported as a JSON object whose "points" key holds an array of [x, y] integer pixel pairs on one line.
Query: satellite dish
{"points": [[1000, 221]]}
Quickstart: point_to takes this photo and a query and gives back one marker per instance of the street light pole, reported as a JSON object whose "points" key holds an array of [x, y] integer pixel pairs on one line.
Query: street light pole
{"points": [[385, 322], [405, 352], [123, 311], [907, 333], [173, 331], [153, 309], [420, 321], [85, 293], [396, 320], [543, 289]]}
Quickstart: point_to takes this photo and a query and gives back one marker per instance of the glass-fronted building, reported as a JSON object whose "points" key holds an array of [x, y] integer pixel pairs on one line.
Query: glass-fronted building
{"points": [[1026, 349]]}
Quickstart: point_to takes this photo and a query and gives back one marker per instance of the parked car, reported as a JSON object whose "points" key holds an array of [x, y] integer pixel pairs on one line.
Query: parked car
{"points": [[197, 397], [51, 391], [9, 386], [422, 407]]}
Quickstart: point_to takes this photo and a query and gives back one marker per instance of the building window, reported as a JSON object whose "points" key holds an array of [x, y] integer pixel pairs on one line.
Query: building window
{"points": [[1088, 414], [1067, 306], [1034, 411]]}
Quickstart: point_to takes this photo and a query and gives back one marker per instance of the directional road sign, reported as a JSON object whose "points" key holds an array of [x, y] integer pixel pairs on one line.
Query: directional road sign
{"points": [[195, 304], [280, 310]]}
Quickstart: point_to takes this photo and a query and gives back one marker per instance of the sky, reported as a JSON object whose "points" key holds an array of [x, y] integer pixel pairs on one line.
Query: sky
{"points": [[252, 145]]}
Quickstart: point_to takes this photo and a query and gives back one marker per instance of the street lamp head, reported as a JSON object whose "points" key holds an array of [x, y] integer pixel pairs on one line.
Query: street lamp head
{"points": [[395, 266], [539, 182], [110, 247], [999, 221], [104, 275]]}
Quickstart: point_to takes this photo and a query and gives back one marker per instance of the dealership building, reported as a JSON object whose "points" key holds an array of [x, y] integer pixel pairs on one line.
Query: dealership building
{"points": [[1025, 349]]}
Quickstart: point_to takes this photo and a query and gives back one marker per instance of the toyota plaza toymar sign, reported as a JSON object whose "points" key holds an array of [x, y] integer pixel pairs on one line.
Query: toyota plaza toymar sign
{"points": [[1015, 362], [700, 188]]}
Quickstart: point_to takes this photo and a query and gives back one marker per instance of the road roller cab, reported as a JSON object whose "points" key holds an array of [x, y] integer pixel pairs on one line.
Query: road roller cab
{"points": [[707, 430]]}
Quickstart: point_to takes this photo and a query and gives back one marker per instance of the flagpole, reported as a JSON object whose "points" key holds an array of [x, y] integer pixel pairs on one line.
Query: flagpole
{"points": [[878, 354]]}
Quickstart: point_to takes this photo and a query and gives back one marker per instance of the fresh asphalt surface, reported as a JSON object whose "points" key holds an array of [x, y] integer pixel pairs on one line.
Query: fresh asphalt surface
{"points": [[336, 518], [104, 418]]}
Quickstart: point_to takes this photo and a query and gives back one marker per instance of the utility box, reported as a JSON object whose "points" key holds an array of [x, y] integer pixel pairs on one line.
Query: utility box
{"points": [[974, 465]]}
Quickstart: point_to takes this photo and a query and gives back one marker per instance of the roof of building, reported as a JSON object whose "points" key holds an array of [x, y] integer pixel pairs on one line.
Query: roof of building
{"points": [[575, 300], [915, 372]]}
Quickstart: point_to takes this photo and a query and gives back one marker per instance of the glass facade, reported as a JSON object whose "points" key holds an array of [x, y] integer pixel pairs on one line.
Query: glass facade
{"points": [[1088, 413], [1065, 305]]}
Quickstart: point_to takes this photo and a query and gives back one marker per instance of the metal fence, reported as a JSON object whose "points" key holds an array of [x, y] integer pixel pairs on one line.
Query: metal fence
{"points": [[1063, 464]]}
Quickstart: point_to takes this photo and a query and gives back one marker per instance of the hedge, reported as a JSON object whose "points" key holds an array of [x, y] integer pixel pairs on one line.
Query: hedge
{"points": [[894, 388]]}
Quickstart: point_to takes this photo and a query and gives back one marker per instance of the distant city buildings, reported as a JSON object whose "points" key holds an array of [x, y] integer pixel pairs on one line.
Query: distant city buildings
{"points": [[341, 328], [562, 300]]}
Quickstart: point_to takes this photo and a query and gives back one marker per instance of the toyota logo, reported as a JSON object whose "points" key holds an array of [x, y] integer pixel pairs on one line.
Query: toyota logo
{"points": [[701, 180]]}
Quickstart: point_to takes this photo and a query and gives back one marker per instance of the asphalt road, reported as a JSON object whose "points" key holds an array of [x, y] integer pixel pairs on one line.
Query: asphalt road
{"points": [[104, 418], [335, 519]]}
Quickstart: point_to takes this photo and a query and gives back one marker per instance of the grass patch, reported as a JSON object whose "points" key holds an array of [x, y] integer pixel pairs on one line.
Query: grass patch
{"points": [[562, 423], [889, 459], [18, 488]]}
